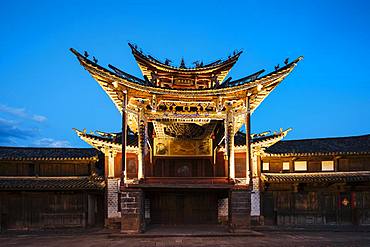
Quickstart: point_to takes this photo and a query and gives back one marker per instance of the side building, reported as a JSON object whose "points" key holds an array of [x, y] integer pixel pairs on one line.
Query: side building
{"points": [[317, 181], [51, 188]]}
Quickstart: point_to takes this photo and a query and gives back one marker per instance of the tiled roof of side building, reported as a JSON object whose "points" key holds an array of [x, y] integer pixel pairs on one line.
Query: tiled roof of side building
{"points": [[338, 145], [52, 183], [315, 177], [37, 153]]}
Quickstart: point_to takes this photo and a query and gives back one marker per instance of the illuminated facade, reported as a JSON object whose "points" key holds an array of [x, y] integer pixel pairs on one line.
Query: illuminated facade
{"points": [[182, 159], [177, 161]]}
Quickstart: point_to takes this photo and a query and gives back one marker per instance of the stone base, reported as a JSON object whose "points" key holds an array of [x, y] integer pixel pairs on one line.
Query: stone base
{"points": [[113, 223], [132, 211], [239, 209], [257, 221]]}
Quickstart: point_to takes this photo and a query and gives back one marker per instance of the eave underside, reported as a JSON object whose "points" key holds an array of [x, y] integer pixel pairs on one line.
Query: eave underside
{"points": [[258, 142], [106, 145]]}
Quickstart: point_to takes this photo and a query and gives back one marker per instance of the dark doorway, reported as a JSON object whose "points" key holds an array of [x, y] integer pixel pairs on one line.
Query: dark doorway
{"points": [[183, 207], [345, 211]]}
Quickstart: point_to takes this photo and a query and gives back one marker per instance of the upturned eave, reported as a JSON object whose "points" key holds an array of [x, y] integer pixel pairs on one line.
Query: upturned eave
{"points": [[103, 144], [115, 85]]}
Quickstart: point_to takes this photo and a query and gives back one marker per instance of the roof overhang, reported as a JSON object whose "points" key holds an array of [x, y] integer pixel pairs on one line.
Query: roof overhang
{"points": [[139, 94], [316, 177], [105, 145], [149, 64]]}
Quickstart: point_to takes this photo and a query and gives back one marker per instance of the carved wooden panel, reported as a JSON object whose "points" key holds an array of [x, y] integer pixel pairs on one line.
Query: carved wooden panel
{"points": [[173, 147]]}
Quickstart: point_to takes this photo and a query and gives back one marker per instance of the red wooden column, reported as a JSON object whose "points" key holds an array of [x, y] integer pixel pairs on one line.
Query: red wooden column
{"points": [[124, 136]]}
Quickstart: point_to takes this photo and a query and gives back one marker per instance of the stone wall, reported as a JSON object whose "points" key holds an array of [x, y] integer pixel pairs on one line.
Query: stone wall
{"points": [[239, 209], [132, 211]]}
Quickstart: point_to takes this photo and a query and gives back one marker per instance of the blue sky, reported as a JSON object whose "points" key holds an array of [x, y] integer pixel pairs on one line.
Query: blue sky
{"points": [[45, 92]]}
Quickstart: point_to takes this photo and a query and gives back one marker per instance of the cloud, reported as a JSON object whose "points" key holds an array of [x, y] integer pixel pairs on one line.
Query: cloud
{"points": [[50, 142], [22, 113], [10, 130], [11, 133], [19, 127], [39, 118], [19, 112]]}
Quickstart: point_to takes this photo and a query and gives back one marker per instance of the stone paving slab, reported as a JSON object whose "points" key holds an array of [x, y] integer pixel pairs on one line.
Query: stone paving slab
{"points": [[165, 235], [313, 228], [271, 239], [188, 231]]}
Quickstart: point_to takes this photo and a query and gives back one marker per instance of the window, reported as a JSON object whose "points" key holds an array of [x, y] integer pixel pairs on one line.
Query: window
{"points": [[285, 166], [300, 165], [327, 165], [265, 166]]}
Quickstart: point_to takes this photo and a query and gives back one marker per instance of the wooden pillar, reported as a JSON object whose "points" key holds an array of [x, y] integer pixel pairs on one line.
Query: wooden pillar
{"points": [[124, 136], [249, 173], [229, 141], [336, 163], [142, 134], [111, 164]]}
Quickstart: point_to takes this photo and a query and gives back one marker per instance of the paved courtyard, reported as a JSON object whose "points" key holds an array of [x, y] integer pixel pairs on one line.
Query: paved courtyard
{"points": [[269, 239]]}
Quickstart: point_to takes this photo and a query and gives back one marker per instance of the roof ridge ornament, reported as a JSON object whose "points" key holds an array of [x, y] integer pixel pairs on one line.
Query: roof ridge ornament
{"points": [[135, 49], [182, 64]]}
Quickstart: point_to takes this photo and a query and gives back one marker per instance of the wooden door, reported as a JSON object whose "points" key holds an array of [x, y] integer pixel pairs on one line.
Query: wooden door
{"points": [[181, 208], [345, 208], [329, 207], [268, 211]]}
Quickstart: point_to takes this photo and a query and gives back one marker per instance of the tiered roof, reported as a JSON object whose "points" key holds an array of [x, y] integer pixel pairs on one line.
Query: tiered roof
{"points": [[108, 141], [263, 140], [104, 141], [176, 109], [114, 83], [206, 75]]}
